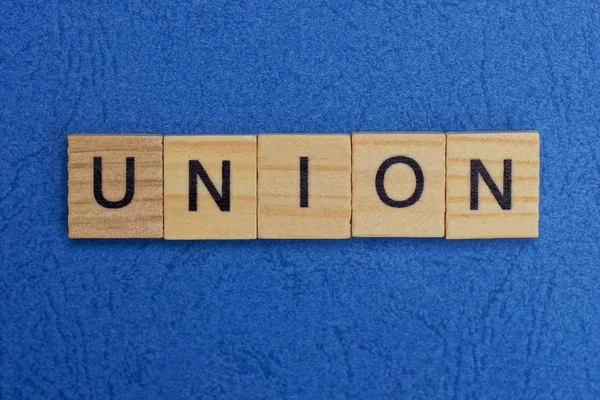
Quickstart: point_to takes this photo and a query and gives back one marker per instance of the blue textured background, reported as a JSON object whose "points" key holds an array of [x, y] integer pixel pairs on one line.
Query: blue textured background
{"points": [[360, 318]]}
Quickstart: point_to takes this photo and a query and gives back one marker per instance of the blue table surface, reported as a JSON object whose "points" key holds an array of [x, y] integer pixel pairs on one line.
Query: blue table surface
{"points": [[360, 318]]}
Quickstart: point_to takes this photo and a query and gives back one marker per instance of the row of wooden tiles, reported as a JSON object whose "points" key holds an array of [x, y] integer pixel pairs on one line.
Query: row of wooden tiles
{"points": [[368, 184]]}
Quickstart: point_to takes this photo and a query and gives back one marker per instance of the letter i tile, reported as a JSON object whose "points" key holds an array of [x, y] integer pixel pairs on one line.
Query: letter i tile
{"points": [[115, 186], [304, 186], [493, 185], [210, 187]]}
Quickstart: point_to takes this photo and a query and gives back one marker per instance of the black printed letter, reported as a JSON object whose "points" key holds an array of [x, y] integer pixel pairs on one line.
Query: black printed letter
{"points": [[223, 200], [129, 184], [504, 199], [379, 181], [304, 182]]}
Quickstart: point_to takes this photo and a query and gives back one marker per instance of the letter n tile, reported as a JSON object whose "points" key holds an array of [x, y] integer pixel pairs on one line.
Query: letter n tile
{"points": [[493, 185], [210, 187]]}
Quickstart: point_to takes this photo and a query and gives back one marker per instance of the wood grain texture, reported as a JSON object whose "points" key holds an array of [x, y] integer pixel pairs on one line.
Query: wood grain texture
{"points": [[370, 215], [329, 194], [143, 217], [208, 221], [490, 220]]}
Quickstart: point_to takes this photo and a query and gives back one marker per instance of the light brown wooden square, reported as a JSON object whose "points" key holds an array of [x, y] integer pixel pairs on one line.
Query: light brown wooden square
{"points": [[329, 194], [490, 221], [208, 221], [370, 215], [143, 216]]}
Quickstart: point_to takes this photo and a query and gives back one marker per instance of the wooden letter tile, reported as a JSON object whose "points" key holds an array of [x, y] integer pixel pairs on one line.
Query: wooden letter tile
{"points": [[398, 184], [304, 186], [493, 185], [210, 187], [115, 186]]}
